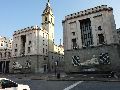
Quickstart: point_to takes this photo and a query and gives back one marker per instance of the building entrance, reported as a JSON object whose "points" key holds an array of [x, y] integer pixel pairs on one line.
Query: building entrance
{"points": [[4, 66]]}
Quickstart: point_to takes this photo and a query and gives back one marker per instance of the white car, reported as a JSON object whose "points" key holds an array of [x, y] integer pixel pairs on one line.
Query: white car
{"points": [[6, 84]]}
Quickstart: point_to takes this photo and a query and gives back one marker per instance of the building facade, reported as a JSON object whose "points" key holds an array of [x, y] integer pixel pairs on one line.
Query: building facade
{"points": [[32, 46], [90, 27], [30, 41], [118, 33], [56, 59], [5, 53], [86, 34], [5, 43]]}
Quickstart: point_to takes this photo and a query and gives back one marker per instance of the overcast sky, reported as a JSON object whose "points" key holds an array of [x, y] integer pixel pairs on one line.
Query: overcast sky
{"points": [[18, 14]]}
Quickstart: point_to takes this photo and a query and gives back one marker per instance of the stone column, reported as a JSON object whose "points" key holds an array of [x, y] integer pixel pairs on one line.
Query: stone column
{"points": [[78, 32]]}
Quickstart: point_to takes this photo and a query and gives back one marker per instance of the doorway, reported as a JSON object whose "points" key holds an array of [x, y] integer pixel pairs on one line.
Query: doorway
{"points": [[4, 66]]}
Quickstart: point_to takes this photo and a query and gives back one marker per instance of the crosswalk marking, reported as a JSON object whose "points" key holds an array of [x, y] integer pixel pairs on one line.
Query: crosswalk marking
{"points": [[72, 86]]}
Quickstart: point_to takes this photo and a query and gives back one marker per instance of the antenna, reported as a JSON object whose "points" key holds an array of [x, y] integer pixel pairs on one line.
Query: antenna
{"points": [[60, 41]]}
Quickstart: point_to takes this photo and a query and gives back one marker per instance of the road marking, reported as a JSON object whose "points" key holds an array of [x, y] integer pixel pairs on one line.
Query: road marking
{"points": [[72, 86]]}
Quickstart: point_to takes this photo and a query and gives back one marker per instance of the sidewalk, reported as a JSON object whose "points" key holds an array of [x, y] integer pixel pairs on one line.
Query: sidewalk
{"points": [[83, 78], [63, 77]]}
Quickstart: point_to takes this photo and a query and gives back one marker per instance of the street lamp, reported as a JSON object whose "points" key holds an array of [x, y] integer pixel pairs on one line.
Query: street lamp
{"points": [[55, 67]]}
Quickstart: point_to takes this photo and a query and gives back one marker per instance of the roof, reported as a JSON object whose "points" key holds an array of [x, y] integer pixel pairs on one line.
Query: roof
{"points": [[48, 8], [87, 12]]}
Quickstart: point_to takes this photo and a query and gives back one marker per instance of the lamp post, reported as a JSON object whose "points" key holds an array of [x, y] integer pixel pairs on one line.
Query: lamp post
{"points": [[55, 67], [37, 51]]}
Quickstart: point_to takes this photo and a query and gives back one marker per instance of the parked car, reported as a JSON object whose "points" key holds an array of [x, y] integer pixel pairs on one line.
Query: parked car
{"points": [[6, 84]]}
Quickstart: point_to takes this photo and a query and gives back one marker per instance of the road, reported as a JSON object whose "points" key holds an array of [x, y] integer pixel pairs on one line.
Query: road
{"points": [[69, 85]]}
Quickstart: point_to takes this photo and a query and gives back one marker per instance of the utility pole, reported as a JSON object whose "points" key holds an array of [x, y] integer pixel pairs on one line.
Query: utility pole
{"points": [[60, 42], [37, 49], [55, 67]]}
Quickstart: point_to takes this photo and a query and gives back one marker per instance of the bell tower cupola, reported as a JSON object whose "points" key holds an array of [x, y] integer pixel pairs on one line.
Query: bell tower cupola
{"points": [[47, 16]]}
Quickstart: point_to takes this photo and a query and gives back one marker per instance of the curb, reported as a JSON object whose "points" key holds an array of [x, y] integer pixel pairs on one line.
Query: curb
{"points": [[87, 79]]}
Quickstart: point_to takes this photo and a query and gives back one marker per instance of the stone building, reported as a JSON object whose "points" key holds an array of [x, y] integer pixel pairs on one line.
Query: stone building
{"points": [[30, 41], [32, 46], [5, 53], [89, 38], [118, 33], [5, 43], [56, 58]]}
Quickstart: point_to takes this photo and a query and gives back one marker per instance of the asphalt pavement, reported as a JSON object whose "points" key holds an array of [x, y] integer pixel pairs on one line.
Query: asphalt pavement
{"points": [[65, 82], [70, 85]]}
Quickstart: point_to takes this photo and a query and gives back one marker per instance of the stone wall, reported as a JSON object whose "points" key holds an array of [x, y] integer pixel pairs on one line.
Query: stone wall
{"points": [[84, 55], [36, 64]]}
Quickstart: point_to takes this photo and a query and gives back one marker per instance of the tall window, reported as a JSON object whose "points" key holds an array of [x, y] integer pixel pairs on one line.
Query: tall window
{"points": [[86, 32], [43, 50], [52, 57], [28, 49], [101, 38], [5, 54], [43, 35], [51, 19], [1, 44], [43, 42], [45, 18], [1, 55], [29, 42], [9, 54], [74, 43]]}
